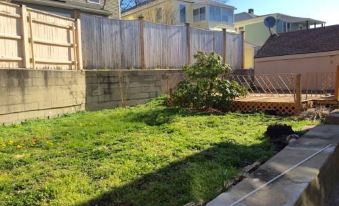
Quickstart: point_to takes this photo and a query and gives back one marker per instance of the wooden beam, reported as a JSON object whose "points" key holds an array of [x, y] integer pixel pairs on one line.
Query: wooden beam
{"points": [[9, 36], [188, 44], [243, 55], [224, 35], [38, 41], [24, 33], [142, 42], [298, 92], [63, 26], [7, 14], [73, 33], [32, 39], [12, 59], [53, 61], [337, 84], [78, 44], [50, 14]]}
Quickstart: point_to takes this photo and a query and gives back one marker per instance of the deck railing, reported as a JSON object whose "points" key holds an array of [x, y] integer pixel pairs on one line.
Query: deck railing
{"points": [[301, 87]]}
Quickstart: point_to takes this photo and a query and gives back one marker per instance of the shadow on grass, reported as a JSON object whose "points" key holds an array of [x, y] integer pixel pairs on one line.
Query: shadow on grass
{"points": [[197, 178]]}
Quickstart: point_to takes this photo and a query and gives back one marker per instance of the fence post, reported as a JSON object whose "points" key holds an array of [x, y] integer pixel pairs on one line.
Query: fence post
{"points": [[298, 91], [188, 43], [78, 44], [31, 40], [337, 84], [24, 35], [142, 42], [242, 49], [224, 32]]}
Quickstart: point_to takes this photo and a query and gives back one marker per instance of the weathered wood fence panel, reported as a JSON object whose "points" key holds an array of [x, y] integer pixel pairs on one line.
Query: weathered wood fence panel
{"points": [[10, 36], [165, 46], [38, 40], [121, 44], [234, 50], [110, 43]]}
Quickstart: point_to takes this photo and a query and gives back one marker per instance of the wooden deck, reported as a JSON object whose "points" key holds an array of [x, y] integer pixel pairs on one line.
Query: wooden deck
{"points": [[280, 104]]}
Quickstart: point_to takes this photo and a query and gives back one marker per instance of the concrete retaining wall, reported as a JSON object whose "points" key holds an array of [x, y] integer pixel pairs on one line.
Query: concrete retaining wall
{"points": [[107, 89], [28, 94]]}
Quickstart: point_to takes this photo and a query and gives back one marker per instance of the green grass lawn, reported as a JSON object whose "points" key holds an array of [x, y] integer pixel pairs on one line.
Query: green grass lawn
{"points": [[145, 155]]}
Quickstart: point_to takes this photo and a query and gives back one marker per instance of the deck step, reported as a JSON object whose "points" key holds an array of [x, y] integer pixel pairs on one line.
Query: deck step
{"points": [[333, 117]]}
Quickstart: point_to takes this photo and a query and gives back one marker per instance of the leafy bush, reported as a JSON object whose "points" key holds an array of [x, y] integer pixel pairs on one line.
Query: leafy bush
{"points": [[205, 87]]}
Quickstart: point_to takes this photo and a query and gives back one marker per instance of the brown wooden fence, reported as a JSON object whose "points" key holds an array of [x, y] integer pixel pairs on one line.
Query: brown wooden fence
{"points": [[122, 44], [34, 39]]}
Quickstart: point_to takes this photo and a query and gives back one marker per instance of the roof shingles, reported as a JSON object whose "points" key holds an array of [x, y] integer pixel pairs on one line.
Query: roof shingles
{"points": [[301, 42]]}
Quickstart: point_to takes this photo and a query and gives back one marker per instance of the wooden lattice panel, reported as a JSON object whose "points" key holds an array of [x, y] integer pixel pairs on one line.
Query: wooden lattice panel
{"points": [[281, 108]]}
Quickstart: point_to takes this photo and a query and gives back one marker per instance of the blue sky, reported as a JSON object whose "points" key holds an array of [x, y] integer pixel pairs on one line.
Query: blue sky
{"points": [[326, 10]]}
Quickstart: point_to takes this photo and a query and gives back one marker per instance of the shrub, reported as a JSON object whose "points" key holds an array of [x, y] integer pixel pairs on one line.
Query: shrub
{"points": [[205, 87]]}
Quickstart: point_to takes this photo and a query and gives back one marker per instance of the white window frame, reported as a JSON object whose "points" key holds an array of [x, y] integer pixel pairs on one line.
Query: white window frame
{"points": [[200, 14]]}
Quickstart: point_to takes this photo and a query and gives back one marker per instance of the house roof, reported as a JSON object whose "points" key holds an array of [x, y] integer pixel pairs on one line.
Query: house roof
{"points": [[245, 17], [70, 4], [301, 42]]}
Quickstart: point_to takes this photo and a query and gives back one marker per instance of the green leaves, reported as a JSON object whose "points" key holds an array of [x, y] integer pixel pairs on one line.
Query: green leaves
{"points": [[205, 87]]}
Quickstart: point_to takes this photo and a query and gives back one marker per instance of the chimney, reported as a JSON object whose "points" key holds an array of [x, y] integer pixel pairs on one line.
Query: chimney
{"points": [[251, 11]]}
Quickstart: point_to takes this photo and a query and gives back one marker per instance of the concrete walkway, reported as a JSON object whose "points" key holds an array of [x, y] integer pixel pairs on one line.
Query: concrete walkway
{"points": [[311, 166]]}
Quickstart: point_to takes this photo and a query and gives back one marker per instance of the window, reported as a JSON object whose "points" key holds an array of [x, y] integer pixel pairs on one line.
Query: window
{"points": [[215, 13], [158, 15], [220, 14], [199, 14], [94, 1], [284, 29], [182, 9], [288, 26]]}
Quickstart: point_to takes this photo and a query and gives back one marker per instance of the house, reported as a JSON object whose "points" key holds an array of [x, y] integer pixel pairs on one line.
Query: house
{"points": [[304, 51], [71, 8], [206, 14], [256, 33]]}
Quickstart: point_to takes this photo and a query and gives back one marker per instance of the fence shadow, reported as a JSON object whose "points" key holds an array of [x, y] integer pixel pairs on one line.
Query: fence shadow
{"points": [[197, 178]]}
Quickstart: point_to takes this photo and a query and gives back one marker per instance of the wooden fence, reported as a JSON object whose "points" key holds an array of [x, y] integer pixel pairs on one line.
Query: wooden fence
{"points": [[122, 44], [38, 40]]}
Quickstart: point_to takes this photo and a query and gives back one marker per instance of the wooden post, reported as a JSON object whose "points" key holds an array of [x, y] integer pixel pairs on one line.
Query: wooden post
{"points": [[298, 91], [337, 84], [24, 36], [188, 43], [142, 43], [243, 50], [78, 44], [224, 32], [32, 39]]}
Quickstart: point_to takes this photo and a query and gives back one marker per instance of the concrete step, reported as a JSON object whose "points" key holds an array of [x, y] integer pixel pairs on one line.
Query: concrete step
{"points": [[333, 117], [307, 184]]}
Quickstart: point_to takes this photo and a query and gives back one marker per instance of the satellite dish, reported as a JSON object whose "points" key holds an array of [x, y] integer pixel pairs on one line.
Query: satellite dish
{"points": [[270, 22]]}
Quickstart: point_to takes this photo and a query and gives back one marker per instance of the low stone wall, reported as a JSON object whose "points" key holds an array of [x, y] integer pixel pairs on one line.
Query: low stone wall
{"points": [[27, 94], [107, 89]]}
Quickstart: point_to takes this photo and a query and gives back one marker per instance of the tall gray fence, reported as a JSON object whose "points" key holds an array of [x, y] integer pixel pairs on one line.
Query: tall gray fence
{"points": [[122, 44]]}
